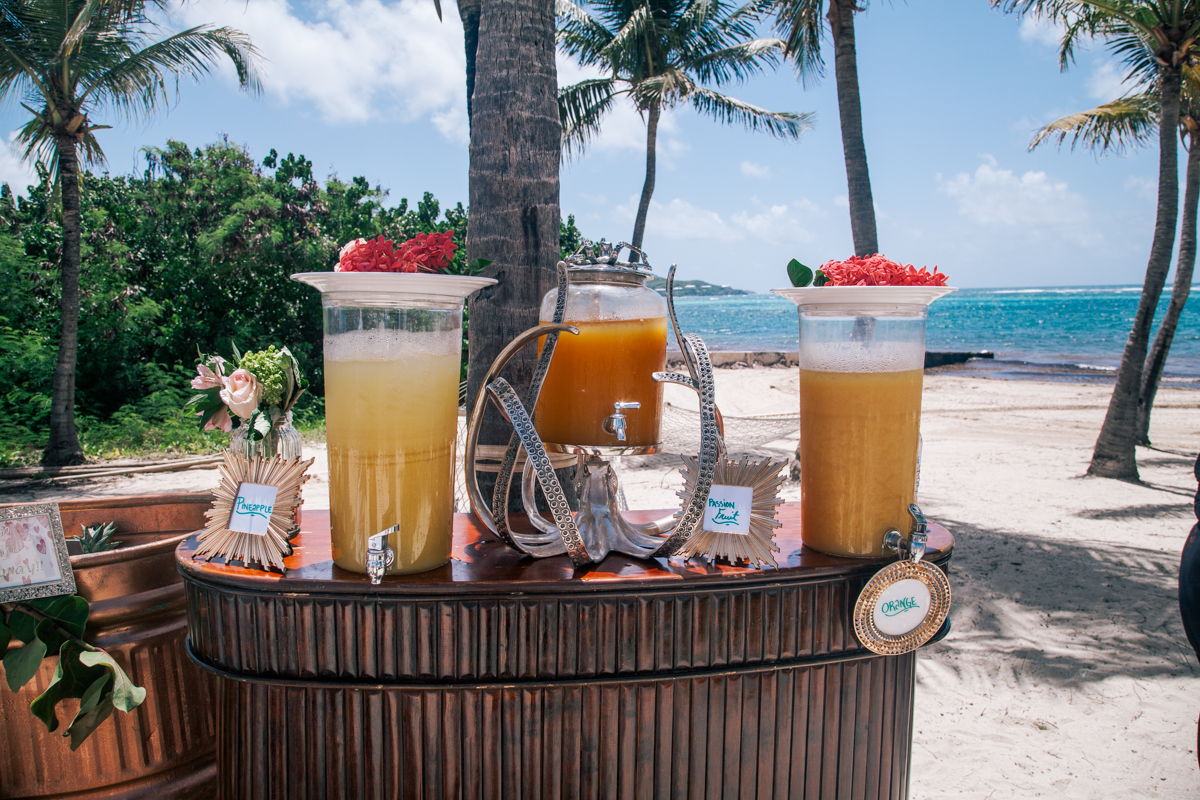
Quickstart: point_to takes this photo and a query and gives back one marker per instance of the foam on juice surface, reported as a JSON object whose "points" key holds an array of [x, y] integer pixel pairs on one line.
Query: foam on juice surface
{"points": [[391, 345], [861, 356]]}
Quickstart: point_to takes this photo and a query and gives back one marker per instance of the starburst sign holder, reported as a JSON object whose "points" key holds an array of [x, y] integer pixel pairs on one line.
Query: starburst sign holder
{"points": [[254, 511], [728, 507]]}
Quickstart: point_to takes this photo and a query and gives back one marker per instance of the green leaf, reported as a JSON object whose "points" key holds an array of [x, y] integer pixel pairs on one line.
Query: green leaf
{"points": [[479, 265], [71, 679], [799, 274], [260, 425], [22, 664], [5, 637], [820, 279], [126, 695], [43, 705], [71, 611], [84, 723], [22, 625]]}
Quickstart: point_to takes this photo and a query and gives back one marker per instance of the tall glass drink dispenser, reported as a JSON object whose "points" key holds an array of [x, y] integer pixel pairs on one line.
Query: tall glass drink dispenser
{"points": [[393, 345]]}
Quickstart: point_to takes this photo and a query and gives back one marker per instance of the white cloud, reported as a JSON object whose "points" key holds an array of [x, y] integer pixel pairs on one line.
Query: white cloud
{"points": [[1041, 31], [996, 197], [752, 170], [355, 60], [679, 219], [16, 173], [1145, 188], [1105, 82]]}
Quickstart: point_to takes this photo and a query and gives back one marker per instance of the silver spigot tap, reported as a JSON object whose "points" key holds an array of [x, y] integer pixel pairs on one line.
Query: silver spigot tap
{"points": [[379, 555], [615, 423], [913, 547]]}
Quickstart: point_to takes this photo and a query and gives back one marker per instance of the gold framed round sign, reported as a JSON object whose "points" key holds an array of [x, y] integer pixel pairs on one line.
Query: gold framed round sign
{"points": [[902, 607]]}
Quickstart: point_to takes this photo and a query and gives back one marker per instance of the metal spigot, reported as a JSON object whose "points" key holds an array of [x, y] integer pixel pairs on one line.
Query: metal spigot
{"points": [[615, 423], [379, 555], [913, 547]]}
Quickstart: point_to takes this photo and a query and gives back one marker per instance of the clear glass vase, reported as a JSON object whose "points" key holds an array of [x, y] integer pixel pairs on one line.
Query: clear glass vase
{"points": [[862, 359], [392, 348], [282, 440]]}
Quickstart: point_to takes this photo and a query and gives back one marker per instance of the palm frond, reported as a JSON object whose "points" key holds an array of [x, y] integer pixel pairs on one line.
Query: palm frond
{"points": [[581, 109], [738, 61], [799, 23], [664, 90], [580, 35], [729, 110], [136, 84], [1113, 127], [627, 41]]}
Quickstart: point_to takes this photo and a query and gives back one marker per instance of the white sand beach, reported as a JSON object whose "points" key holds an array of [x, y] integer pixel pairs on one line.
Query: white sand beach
{"points": [[1067, 673]]}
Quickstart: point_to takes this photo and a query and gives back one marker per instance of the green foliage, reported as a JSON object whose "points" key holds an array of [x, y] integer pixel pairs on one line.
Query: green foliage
{"points": [[197, 252], [98, 538], [55, 625], [569, 237], [799, 274], [269, 368]]}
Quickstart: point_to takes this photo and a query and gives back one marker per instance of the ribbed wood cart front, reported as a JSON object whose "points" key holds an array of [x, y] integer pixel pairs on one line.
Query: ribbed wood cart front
{"points": [[498, 676]]}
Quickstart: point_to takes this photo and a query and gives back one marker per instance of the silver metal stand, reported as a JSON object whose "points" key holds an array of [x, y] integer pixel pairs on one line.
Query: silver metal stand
{"points": [[598, 528]]}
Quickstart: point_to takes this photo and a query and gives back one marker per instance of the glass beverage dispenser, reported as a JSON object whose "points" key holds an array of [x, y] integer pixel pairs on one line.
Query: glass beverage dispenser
{"points": [[862, 359], [600, 391], [393, 345]]}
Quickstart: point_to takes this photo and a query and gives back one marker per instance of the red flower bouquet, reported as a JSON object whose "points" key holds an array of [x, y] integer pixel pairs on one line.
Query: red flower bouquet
{"points": [[426, 252]]}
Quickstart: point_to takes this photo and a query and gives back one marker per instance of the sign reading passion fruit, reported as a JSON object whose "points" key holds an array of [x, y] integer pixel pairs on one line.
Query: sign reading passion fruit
{"points": [[902, 607], [728, 509]]}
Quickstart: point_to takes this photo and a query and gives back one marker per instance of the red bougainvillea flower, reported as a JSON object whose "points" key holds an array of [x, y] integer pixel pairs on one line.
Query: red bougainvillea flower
{"points": [[878, 270], [426, 252]]}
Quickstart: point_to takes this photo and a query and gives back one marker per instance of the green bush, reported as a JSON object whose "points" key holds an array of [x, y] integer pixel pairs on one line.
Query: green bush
{"points": [[193, 255]]}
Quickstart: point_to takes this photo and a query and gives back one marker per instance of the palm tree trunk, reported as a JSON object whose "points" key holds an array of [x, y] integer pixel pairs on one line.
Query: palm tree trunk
{"points": [[858, 179], [1115, 453], [1157, 361], [514, 190], [63, 448], [639, 225], [468, 11]]}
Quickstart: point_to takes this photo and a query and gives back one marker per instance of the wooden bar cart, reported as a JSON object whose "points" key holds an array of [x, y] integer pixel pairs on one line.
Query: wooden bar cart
{"points": [[501, 676]]}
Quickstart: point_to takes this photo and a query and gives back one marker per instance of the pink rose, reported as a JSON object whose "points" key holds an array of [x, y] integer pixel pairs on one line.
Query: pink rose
{"points": [[220, 421], [241, 393], [206, 379]]}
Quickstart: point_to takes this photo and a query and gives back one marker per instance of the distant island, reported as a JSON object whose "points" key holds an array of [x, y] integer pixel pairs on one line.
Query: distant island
{"points": [[692, 288]]}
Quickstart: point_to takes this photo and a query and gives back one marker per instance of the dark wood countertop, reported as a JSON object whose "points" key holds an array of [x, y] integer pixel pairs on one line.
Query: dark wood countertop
{"points": [[480, 564]]}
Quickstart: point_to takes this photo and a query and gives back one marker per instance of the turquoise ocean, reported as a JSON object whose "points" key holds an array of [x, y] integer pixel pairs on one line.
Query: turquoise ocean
{"points": [[1065, 334]]}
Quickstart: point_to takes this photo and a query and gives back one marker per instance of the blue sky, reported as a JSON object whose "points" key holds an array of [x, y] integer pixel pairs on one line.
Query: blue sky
{"points": [[952, 93]]}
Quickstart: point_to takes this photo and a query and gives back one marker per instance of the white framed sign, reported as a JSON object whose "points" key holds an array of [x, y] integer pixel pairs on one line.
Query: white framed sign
{"points": [[252, 508], [728, 509], [33, 553], [902, 607]]}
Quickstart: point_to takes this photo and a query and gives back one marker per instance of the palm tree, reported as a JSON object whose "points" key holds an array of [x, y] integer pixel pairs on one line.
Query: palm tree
{"points": [[1155, 38], [67, 60], [799, 22], [514, 190], [660, 54], [1130, 122]]}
